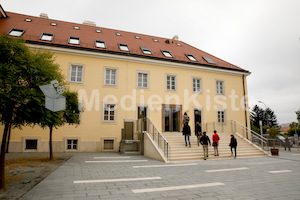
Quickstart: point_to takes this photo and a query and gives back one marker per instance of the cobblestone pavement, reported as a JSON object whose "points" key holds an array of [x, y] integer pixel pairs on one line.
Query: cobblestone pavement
{"points": [[112, 176]]}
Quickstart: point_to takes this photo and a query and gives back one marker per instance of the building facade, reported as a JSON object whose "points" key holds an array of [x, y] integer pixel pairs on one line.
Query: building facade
{"points": [[122, 75]]}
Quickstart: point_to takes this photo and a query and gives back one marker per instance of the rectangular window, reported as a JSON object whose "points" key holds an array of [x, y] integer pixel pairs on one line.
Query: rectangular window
{"points": [[108, 144], [146, 50], [191, 57], [76, 74], [47, 37], [123, 47], [16, 32], [171, 82], [72, 144], [142, 80], [110, 77], [209, 60], [221, 116], [109, 112], [31, 144], [100, 44], [74, 40], [220, 87], [196, 85], [167, 53]]}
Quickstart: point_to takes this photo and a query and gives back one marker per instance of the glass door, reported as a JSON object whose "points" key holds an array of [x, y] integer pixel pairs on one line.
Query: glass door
{"points": [[172, 119]]}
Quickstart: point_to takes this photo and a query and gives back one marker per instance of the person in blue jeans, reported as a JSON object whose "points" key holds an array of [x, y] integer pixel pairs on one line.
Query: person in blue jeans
{"points": [[187, 133]]}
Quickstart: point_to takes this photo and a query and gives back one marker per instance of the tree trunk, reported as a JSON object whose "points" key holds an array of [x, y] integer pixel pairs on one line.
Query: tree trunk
{"points": [[50, 144], [2, 156], [8, 138]]}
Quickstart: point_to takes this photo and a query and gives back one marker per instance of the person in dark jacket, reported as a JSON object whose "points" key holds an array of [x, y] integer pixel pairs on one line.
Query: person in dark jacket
{"points": [[204, 140], [187, 133], [233, 145], [198, 132], [287, 143]]}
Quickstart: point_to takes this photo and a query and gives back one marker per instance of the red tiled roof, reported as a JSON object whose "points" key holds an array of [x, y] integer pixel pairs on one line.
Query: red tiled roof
{"points": [[87, 34]]}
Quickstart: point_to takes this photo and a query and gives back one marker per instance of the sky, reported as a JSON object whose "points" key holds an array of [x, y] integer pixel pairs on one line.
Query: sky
{"points": [[262, 36]]}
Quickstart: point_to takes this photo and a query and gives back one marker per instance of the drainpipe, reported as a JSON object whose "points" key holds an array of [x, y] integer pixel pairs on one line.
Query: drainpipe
{"points": [[245, 103]]}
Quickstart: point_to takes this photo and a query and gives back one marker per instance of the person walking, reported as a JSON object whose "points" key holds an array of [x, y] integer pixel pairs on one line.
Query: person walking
{"points": [[287, 143], [233, 145], [187, 133], [198, 132], [215, 139], [204, 140], [185, 119]]}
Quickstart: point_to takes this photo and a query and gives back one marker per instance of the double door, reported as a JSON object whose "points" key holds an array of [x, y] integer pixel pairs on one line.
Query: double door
{"points": [[171, 118]]}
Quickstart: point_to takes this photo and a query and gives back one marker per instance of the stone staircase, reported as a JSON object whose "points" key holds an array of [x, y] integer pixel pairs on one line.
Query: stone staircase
{"points": [[179, 152]]}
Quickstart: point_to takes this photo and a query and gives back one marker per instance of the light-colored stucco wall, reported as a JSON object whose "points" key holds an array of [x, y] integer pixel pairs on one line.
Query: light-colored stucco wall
{"points": [[93, 130]]}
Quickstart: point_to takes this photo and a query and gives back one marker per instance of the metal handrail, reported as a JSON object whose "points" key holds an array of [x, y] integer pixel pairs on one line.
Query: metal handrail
{"points": [[145, 125]]}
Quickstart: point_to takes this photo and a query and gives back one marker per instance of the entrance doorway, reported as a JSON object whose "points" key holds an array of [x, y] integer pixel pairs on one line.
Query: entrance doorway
{"points": [[171, 118], [142, 114], [198, 117]]}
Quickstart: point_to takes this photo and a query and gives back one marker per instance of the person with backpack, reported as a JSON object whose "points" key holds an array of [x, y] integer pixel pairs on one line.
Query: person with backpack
{"points": [[187, 133], [204, 140], [215, 139], [233, 145]]}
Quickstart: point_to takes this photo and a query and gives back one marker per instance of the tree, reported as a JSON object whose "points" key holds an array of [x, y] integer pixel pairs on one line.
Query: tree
{"points": [[53, 120], [21, 73], [298, 115], [267, 117]]}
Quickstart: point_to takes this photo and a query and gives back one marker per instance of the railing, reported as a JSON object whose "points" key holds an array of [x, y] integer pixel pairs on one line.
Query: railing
{"points": [[235, 127], [145, 125], [256, 138]]}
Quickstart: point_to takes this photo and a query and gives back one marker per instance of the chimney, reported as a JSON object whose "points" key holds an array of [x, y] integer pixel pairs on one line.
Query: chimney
{"points": [[44, 15], [89, 23], [176, 37]]}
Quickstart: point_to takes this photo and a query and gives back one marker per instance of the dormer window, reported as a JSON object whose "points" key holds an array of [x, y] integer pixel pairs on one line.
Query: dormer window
{"points": [[167, 53], [28, 20], [209, 60], [155, 40], [178, 44], [123, 47], [76, 27], [74, 40], [146, 50], [53, 24], [16, 32], [137, 37], [191, 57], [47, 36], [100, 44], [118, 34], [98, 31]]}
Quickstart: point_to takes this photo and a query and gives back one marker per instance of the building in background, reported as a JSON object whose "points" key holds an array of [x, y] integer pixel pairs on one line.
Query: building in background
{"points": [[123, 75]]}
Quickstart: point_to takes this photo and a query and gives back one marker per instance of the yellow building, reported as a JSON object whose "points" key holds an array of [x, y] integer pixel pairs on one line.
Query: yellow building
{"points": [[122, 75]]}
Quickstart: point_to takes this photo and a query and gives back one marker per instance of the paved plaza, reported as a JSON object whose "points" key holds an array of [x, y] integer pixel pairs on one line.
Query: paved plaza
{"points": [[112, 176]]}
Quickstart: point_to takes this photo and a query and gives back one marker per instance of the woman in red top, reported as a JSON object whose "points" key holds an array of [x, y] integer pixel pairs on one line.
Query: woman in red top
{"points": [[216, 139]]}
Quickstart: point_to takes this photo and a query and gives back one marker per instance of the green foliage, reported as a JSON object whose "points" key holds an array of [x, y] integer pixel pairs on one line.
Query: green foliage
{"points": [[291, 132], [273, 132], [298, 115], [267, 117]]}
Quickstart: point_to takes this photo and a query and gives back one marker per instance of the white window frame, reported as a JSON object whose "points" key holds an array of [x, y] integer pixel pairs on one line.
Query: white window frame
{"points": [[100, 42], [200, 87], [76, 76], [218, 89], [105, 106], [16, 30], [175, 82], [191, 57], [167, 54], [73, 39], [146, 51], [124, 47], [137, 80], [116, 77], [219, 117], [72, 145], [47, 35]]}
